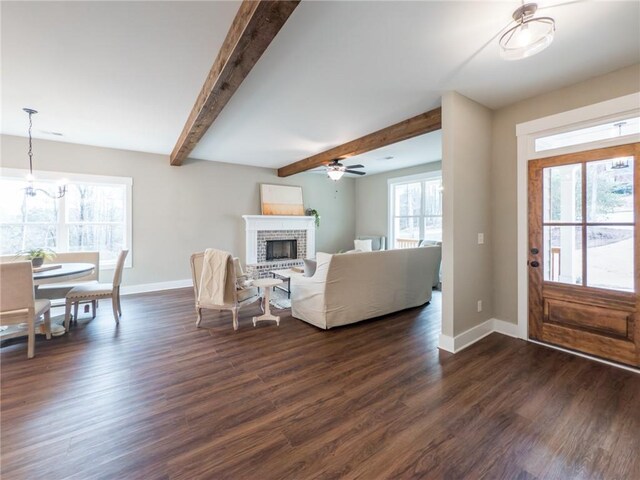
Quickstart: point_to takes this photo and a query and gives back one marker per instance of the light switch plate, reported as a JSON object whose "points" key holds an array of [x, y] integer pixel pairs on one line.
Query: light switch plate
{"points": [[480, 238]]}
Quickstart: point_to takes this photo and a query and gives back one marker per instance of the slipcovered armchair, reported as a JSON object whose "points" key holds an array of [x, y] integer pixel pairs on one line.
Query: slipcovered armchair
{"points": [[244, 294]]}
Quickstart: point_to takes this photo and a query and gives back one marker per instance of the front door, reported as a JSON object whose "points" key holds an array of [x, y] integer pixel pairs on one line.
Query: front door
{"points": [[584, 252]]}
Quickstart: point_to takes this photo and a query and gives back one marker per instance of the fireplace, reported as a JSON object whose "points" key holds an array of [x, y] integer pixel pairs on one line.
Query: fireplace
{"points": [[282, 250]]}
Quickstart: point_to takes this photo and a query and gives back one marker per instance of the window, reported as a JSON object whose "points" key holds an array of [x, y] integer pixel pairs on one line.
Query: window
{"points": [[604, 131], [94, 215], [415, 206]]}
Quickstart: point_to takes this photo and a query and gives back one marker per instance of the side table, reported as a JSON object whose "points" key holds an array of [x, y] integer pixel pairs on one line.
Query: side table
{"points": [[266, 284]]}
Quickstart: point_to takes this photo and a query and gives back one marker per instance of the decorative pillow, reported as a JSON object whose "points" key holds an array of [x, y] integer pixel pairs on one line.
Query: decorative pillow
{"points": [[362, 245], [309, 267]]}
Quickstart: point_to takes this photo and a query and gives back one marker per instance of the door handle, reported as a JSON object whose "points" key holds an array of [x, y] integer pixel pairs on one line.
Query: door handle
{"points": [[535, 263]]}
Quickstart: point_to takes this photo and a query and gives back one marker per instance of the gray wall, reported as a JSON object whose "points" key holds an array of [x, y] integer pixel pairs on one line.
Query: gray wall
{"points": [[466, 164], [181, 210], [503, 169], [372, 214]]}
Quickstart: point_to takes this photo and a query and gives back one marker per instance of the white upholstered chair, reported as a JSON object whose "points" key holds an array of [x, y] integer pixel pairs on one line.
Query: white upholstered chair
{"points": [[97, 291], [17, 303], [243, 295]]}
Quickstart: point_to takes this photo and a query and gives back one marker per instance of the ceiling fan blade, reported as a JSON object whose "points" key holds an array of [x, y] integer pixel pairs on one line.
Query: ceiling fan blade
{"points": [[355, 172], [355, 166]]}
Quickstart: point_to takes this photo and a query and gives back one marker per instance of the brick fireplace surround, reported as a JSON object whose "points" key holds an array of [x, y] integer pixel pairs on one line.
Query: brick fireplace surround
{"points": [[260, 228]]}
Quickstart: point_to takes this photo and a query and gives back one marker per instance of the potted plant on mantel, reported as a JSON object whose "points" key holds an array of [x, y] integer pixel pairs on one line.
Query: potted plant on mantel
{"points": [[312, 212], [37, 255]]}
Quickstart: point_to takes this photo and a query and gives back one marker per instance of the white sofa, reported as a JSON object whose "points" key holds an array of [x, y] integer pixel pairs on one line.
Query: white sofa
{"points": [[349, 288]]}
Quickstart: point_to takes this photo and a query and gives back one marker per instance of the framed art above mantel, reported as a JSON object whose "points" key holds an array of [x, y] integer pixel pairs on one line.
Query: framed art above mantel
{"points": [[281, 200]]}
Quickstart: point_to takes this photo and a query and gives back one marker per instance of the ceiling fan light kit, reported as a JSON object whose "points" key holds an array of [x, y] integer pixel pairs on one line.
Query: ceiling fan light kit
{"points": [[531, 35], [335, 170]]}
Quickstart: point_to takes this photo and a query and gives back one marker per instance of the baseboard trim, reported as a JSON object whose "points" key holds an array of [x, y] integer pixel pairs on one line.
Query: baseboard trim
{"points": [[155, 287], [474, 334]]}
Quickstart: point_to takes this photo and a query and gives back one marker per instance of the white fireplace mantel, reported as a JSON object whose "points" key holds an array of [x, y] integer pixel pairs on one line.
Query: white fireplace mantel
{"points": [[256, 223]]}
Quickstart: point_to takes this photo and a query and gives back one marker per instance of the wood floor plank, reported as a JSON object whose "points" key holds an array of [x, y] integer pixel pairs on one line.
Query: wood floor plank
{"points": [[157, 398]]}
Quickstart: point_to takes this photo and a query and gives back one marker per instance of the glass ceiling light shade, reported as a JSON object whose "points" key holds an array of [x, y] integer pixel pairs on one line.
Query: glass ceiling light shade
{"points": [[335, 173], [530, 35]]}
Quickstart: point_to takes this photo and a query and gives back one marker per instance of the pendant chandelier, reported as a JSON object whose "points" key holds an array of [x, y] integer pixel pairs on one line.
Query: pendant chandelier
{"points": [[529, 36], [30, 190]]}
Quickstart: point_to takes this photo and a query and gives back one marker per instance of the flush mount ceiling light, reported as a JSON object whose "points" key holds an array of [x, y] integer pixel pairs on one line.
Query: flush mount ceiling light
{"points": [[530, 35]]}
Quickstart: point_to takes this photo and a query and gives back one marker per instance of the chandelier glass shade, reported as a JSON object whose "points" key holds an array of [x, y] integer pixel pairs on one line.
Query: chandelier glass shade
{"points": [[529, 36]]}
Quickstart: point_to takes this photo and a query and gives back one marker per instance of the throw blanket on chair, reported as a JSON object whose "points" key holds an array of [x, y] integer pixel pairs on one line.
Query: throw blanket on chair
{"points": [[217, 282]]}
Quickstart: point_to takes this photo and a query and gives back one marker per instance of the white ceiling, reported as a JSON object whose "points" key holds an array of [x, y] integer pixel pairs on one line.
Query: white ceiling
{"points": [[125, 74]]}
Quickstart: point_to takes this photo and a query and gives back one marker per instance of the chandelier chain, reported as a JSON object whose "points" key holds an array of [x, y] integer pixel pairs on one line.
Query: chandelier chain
{"points": [[30, 152]]}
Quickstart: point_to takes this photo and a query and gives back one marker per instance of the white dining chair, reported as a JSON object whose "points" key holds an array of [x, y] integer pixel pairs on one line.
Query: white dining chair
{"points": [[97, 291], [53, 290], [18, 305]]}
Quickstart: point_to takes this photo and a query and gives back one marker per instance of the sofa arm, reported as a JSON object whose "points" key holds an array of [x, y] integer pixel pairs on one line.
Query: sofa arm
{"points": [[308, 300]]}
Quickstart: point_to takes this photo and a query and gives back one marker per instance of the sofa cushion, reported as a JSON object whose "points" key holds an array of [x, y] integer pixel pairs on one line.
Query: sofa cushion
{"points": [[377, 242], [362, 245]]}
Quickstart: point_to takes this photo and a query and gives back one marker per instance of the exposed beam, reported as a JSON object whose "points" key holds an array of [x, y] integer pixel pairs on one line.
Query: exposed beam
{"points": [[423, 123], [254, 27]]}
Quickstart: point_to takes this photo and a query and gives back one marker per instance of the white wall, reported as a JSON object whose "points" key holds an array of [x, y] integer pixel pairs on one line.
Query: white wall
{"points": [[466, 164], [372, 214], [181, 210]]}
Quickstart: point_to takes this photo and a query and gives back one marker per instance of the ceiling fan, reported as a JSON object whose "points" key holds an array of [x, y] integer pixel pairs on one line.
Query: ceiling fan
{"points": [[335, 170]]}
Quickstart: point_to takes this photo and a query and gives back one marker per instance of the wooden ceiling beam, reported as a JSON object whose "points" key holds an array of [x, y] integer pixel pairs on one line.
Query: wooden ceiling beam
{"points": [[254, 27], [412, 127]]}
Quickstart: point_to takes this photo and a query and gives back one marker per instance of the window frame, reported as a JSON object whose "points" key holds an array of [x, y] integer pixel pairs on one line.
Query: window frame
{"points": [[392, 183], [63, 225]]}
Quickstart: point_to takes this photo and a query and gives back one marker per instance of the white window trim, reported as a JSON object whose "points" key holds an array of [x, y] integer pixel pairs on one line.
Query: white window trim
{"points": [[392, 182], [617, 108], [87, 179]]}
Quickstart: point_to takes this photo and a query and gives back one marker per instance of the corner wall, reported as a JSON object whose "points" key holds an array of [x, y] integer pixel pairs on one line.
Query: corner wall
{"points": [[467, 269], [181, 210]]}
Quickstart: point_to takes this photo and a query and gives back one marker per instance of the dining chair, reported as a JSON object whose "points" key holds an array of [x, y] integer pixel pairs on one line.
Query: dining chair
{"points": [[244, 293], [55, 291], [97, 291], [18, 305]]}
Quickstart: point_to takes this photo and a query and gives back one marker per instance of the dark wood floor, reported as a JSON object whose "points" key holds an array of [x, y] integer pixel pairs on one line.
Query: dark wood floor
{"points": [[158, 398]]}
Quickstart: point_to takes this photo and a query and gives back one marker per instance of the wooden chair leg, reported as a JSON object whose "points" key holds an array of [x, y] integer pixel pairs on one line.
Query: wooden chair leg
{"points": [[234, 312], [67, 315], [31, 343], [47, 324], [119, 304], [75, 311], [114, 302], [199, 317], [93, 308]]}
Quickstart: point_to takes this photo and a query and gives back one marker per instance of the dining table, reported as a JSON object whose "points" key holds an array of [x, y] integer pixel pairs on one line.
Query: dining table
{"points": [[61, 272]]}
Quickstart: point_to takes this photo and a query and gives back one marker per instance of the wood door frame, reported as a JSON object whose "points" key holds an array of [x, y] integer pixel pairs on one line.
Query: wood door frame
{"points": [[628, 105]]}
